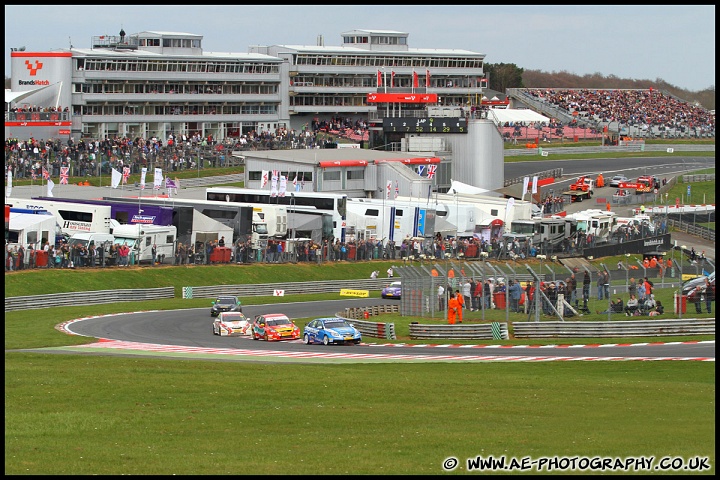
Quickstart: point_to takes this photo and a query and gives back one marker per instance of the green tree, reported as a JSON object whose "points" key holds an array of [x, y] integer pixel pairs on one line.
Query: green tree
{"points": [[504, 75]]}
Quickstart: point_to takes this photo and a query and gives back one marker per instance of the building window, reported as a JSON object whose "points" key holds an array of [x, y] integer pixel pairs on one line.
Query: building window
{"points": [[331, 175]]}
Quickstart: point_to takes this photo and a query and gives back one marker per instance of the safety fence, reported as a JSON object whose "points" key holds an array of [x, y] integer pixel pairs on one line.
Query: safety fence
{"points": [[484, 331], [372, 329], [640, 328], [94, 297]]}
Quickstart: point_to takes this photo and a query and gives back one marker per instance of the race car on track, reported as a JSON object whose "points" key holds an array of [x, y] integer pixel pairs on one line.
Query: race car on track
{"points": [[393, 290], [274, 326], [225, 303], [231, 324], [331, 330]]}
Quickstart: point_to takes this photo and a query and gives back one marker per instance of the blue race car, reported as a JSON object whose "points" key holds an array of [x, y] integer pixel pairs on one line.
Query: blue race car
{"points": [[393, 290], [331, 330]]}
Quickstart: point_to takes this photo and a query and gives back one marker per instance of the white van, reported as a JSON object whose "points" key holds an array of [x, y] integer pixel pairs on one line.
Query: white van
{"points": [[85, 238]]}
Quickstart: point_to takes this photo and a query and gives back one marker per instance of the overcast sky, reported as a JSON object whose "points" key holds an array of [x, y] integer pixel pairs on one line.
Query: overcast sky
{"points": [[674, 43]]}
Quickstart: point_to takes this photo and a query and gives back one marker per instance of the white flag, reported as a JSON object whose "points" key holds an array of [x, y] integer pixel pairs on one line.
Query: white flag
{"points": [[143, 173], [158, 178], [116, 177], [50, 186], [388, 188], [535, 185], [283, 185], [510, 205], [264, 179], [274, 183], [8, 188], [526, 182]]}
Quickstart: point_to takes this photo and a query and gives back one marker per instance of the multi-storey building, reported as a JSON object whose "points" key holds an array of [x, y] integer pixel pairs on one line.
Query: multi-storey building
{"points": [[156, 83]]}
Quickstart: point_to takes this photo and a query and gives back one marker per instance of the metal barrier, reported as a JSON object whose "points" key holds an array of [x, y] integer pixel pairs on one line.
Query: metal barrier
{"points": [[640, 328], [484, 331], [293, 288], [94, 297]]}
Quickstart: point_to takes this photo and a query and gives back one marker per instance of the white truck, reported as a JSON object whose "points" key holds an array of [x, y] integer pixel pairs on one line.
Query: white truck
{"points": [[141, 238]]}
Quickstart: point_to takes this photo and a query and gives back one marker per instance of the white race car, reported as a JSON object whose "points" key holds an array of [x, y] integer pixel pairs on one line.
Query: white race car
{"points": [[232, 324]]}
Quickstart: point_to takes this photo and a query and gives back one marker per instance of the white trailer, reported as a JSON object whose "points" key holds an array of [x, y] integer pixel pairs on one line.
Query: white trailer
{"points": [[141, 238], [72, 217], [30, 229], [389, 220]]}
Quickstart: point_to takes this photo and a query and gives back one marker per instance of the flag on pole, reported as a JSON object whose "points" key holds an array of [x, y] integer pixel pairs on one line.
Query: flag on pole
{"points": [[392, 79], [143, 174], [427, 78], [125, 175], [170, 185], [274, 183], [397, 189], [295, 182], [431, 171], [302, 182], [157, 178], [45, 174], [388, 188], [535, 184], [416, 81], [283, 185], [50, 186], [8, 188], [526, 182], [510, 205], [264, 179], [64, 175], [421, 170], [116, 177], [379, 79]]}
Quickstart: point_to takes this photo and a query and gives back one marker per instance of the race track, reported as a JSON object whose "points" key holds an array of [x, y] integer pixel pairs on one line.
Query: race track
{"points": [[188, 334]]}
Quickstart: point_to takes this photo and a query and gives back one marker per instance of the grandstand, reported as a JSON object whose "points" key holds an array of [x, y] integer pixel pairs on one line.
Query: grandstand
{"points": [[638, 113]]}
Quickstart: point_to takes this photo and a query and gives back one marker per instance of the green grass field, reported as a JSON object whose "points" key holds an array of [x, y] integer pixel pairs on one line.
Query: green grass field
{"points": [[95, 414]]}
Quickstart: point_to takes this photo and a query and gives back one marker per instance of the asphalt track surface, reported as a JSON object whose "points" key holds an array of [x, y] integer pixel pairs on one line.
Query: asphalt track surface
{"points": [[188, 334]]}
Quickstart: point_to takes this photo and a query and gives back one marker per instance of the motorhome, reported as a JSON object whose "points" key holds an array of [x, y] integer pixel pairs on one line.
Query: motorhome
{"points": [[595, 222], [141, 238], [547, 234], [87, 238]]}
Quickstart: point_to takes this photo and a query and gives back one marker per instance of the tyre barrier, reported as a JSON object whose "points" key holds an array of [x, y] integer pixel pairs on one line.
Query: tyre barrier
{"points": [[371, 329]]}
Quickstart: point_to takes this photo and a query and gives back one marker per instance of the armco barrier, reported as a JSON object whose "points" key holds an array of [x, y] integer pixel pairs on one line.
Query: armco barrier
{"points": [[639, 328], [93, 297], [294, 288], [374, 329], [482, 331]]}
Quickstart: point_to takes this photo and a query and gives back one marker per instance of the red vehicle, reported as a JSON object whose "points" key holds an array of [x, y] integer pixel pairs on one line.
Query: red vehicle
{"points": [[580, 185], [274, 326], [645, 184]]}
